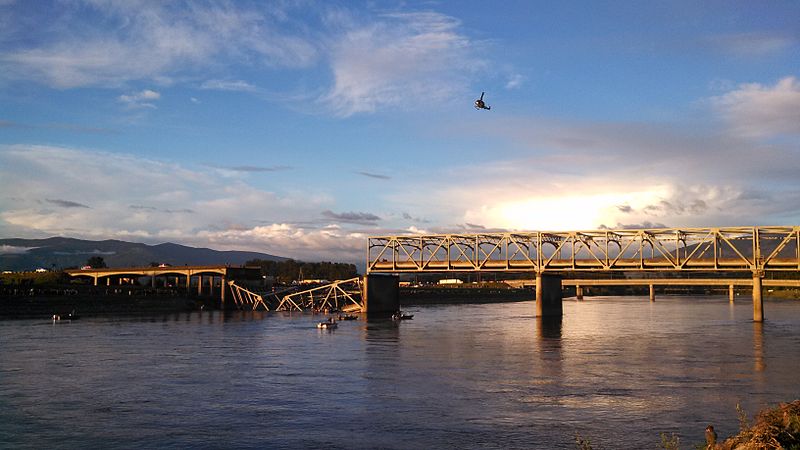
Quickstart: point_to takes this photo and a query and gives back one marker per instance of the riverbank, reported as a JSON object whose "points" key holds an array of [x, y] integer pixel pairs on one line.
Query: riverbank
{"points": [[45, 302], [443, 295]]}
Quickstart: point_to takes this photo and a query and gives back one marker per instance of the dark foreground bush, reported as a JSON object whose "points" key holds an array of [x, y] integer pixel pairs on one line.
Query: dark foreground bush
{"points": [[777, 428]]}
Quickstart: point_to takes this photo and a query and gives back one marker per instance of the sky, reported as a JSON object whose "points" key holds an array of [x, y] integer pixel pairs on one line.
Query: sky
{"points": [[300, 128]]}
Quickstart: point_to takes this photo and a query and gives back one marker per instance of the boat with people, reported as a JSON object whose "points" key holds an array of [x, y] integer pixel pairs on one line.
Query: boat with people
{"points": [[402, 316], [329, 324], [64, 317]]}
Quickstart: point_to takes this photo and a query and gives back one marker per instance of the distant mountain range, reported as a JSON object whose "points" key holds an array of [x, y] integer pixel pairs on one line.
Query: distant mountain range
{"points": [[60, 252]]}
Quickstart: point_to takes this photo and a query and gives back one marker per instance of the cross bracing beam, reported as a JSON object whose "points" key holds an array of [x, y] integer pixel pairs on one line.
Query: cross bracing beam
{"points": [[660, 249]]}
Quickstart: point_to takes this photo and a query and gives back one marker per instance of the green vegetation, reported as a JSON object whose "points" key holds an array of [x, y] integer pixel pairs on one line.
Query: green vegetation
{"points": [[291, 270], [34, 278], [96, 262]]}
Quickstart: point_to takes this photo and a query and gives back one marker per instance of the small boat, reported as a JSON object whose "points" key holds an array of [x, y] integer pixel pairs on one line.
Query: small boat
{"points": [[329, 324], [402, 316], [348, 317], [69, 316]]}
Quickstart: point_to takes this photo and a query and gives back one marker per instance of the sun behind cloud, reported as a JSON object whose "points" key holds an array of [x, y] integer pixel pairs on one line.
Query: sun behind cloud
{"points": [[586, 211]]}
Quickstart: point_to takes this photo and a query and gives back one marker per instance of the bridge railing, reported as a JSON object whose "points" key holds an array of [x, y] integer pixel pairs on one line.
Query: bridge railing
{"points": [[660, 249]]}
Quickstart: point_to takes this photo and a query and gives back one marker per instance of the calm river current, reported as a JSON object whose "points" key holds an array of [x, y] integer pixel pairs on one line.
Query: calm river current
{"points": [[616, 370]]}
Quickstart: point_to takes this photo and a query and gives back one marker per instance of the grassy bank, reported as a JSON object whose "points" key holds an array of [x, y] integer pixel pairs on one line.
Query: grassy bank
{"points": [[773, 428]]}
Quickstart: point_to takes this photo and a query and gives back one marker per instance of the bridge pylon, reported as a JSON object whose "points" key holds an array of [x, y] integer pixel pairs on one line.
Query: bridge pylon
{"points": [[548, 295], [758, 302]]}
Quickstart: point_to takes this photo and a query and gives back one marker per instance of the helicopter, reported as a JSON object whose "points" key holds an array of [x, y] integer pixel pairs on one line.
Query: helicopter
{"points": [[479, 104]]}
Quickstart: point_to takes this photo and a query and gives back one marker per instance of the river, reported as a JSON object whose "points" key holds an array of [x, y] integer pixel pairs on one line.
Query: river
{"points": [[617, 371]]}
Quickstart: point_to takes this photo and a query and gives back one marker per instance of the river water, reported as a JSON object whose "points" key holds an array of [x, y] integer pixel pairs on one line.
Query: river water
{"points": [[617, 371]]}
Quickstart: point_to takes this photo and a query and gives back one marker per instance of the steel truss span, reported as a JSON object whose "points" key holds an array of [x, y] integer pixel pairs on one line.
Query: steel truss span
{"points": [[756, 249]]}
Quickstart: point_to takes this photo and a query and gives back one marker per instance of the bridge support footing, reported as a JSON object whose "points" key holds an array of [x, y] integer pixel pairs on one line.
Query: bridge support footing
{"points": [[548, 295], [758, 304], [381, 295], [579, 292]]}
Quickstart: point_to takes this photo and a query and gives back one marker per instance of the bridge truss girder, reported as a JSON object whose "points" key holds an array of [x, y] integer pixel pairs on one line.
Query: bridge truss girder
{"points": [[338, 295], [754, 249]]}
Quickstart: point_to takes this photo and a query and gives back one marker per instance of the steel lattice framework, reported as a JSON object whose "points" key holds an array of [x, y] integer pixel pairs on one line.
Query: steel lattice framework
{"points": [[755, 249]]}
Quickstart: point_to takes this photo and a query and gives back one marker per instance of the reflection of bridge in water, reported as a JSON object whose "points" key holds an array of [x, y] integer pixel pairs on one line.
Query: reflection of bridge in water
{"points": [[721, 255]]}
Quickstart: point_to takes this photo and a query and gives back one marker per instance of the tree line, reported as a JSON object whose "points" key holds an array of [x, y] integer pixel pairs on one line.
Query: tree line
{"points": [[291, 270]]}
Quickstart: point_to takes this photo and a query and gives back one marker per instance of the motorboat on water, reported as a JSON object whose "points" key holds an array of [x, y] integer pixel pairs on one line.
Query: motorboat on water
{"points": [[348, 317], [329, 324], [402, 316], [63, 317]]}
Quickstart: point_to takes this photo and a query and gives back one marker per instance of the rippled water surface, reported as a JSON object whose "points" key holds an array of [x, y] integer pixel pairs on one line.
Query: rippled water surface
{"points": [[615, 370]]}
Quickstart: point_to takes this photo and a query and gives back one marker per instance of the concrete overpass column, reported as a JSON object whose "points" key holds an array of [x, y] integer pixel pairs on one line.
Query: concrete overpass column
{"points": [[153, 280], [188, 281], [579, 292], [730, 293], [108, 281], [548, 295], [381, 295], [652, 293], [758, 304], [95, 280], [199, 285]]}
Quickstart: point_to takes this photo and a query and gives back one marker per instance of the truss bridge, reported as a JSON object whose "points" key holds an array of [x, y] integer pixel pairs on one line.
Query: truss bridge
{"points": [[340, 295], [553, 255], [667, 249]]}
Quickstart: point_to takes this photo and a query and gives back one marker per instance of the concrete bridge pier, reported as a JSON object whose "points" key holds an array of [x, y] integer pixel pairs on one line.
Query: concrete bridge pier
{"points": [[579, 292], [381, 295], [730, 293], [548, 295], [223, 285], [652, 293], [758, 304]]}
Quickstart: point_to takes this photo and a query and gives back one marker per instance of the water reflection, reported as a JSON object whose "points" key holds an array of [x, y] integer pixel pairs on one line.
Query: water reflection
{"points": [[617, 370], [549, 328], [758, 347], [548, 343]]}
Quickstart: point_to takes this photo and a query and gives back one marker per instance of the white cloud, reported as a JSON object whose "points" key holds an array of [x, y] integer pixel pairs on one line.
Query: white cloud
{"points": [[141, 99], [228, 85], [151, 41], [12, 250], [757, 110], [567, 175], [515, 81], [753, 44], [155, 201], [401, 57]]}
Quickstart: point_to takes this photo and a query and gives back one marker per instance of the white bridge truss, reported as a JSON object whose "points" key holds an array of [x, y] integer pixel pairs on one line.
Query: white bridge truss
{"points": [[343, 295], [755, 249]]}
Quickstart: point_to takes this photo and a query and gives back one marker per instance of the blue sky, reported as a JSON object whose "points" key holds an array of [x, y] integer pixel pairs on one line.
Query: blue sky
{"points": [[299, 128]]}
